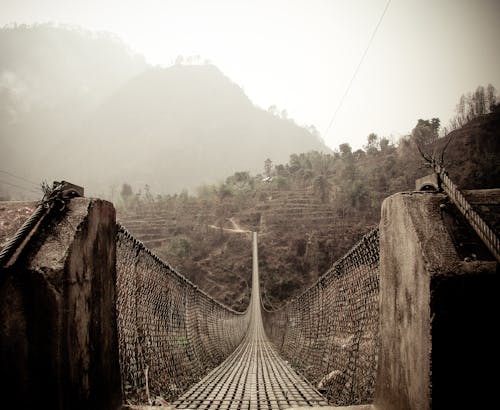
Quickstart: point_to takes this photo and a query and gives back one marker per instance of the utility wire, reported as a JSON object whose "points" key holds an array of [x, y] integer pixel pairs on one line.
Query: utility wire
{"points": [[357, 69], [18, 177], [20, 187]]}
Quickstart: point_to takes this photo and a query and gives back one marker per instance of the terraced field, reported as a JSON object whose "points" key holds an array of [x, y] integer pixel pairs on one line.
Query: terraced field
{"points": [[300, 237]]}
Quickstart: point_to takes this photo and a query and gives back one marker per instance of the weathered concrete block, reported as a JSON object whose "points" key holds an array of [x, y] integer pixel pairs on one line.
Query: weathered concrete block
{"points": [[436, 313], [58, 339]]}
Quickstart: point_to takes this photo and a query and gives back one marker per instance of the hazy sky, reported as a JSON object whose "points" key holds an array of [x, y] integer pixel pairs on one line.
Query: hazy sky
{"points": [[301, 54]]}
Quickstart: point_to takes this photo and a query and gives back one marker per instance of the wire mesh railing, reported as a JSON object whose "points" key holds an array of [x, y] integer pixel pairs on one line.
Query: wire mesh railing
{"points": [[171, 333], [330, 332]]}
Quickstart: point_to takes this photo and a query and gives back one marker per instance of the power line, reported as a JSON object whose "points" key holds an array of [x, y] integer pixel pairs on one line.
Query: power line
{"points": [[357, 69], [18, 177], [20, 187]]}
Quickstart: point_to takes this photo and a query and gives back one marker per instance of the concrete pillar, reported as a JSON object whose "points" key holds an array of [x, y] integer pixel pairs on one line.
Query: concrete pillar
{"points": [[58, 338], [437, 312]]}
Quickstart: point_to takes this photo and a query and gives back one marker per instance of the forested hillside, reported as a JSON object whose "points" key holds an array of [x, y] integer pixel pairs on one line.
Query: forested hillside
{"points": [[308, 211]]}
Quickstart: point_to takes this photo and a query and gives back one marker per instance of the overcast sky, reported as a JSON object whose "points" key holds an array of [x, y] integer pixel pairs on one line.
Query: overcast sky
{"points": [[300, 55]]}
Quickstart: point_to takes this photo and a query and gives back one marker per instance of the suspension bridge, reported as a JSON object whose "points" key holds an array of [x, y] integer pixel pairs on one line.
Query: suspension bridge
{"points": [[254, 376], [179, 333], [93, 319]]}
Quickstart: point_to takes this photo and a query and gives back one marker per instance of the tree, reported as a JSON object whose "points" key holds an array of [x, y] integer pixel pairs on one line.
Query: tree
{"points": [[371, 147], [348, 166], [280, 170], [461, 111], [358, 194], [281, 183], [479, 99], [322, 165], [222, 192], [384, 144], [322, 187], [491, 98], [147, 194], [295, 164], [359, 154], [425, 132], [126, 193], [268, 167], [345, 150], [240, 179]]}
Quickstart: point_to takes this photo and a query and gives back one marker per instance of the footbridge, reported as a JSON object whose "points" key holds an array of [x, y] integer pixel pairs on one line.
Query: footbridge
{"points": [[254, 376], [172, 334], [93, 319]]}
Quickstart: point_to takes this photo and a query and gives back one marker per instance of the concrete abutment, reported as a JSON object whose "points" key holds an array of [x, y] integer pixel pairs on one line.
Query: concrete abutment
{"points": [[58, 339], [436, 311]]}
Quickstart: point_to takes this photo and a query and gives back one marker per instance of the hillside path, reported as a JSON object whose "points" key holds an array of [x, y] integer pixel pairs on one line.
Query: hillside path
{"points": [[236, 228]]}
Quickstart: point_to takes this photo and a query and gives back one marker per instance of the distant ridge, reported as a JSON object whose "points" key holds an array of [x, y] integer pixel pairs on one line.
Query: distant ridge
{"points": [[186, 125], [106, 123]]}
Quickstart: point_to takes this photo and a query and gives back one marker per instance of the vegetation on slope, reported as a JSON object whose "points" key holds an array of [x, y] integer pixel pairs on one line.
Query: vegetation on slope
{"points": [[308, 211]]}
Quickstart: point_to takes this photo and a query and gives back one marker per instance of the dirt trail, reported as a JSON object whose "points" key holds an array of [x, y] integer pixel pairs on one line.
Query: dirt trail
{"points": [[236, 228]]}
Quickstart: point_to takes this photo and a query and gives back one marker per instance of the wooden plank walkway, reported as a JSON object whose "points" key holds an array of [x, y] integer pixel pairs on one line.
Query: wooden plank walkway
{"points": [[254, 376]]}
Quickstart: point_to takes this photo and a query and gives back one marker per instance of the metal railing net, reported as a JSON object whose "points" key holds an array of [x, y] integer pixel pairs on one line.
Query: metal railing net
{"points": [[170, 332], [330, 333]]}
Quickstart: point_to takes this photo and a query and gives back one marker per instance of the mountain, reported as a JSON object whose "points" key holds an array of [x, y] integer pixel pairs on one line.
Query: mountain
{"points": [[80, 106], [182, 126], [50, 78]]}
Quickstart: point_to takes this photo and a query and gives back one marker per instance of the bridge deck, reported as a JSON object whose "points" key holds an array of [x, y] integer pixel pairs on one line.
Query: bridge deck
{"points": [[254, 376]]}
